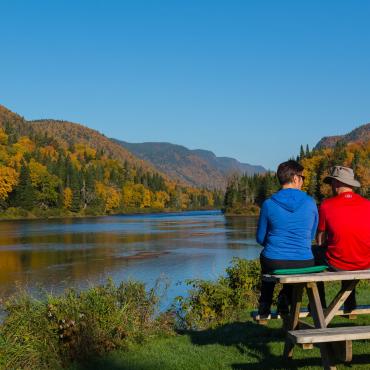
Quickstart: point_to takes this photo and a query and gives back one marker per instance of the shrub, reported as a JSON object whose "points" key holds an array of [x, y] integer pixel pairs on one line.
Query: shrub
{"points": [[213, 303], [56, 330]]}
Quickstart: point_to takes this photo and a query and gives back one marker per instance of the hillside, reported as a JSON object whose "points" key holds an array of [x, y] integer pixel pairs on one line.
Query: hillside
{"points": [[52, 168], [69, 133], [358, 135], [194, 167]]}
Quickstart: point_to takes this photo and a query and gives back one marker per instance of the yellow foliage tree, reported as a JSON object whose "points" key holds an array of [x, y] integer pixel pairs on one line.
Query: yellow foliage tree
{"points": [[24, 145], [3, 137], [136, 196], [160, 199], [49, 152], [110, 196], [113, 199], [67, 198], [8, 179]]}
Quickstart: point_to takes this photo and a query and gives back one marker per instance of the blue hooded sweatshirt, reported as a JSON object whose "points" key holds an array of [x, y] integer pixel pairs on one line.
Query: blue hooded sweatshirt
{"points": [[287, 225]]}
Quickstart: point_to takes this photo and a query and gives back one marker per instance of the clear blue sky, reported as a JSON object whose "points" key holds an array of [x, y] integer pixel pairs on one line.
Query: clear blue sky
{"points": [[247, 79]]}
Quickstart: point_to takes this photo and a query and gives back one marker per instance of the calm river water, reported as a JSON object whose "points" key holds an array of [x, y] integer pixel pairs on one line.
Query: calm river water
{"points": [[55, 254]]}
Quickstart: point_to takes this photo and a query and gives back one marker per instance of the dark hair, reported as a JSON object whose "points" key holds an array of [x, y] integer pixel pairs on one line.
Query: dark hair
{"points": [[287, 170]]}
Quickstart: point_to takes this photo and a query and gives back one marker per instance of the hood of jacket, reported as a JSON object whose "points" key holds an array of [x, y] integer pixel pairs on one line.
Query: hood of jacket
{"points": [[289, 199]]}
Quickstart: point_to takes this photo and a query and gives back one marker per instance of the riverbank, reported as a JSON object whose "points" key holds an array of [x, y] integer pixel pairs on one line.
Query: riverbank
{"points": [[116, 327], [13, 213], [238, 345], [251, 210]]}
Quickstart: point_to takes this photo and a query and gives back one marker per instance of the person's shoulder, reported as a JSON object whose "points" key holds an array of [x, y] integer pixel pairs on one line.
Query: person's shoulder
{"points": [[310, 200], [328, 202], [364, 201], [267, 203], [326, 205]]}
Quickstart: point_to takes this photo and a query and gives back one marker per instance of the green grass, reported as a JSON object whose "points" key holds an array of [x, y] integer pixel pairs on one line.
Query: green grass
{"points": [[242, 345], [239, 345]]}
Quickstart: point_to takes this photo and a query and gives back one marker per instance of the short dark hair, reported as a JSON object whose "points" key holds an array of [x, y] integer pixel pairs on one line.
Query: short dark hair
{"points": [[287, 170]]}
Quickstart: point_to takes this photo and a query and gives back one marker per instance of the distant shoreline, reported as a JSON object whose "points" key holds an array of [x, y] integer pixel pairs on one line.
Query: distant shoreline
{"points": [[135, 212], [241, 212]]}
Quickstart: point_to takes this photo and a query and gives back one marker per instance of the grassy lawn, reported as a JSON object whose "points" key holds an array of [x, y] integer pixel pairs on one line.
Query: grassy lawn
{"points": [[243, 345], [239, 345]]}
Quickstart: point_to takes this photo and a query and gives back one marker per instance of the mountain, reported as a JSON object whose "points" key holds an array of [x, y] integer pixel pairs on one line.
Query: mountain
{"points": [[199, 168], [194, 167], [360, 134], [70, 133], [51, 168]]}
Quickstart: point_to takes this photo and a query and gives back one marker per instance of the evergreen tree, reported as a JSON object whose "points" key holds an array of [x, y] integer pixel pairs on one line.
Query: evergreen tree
{"points": [[339, 154], [355, 160], [60, 201], [76, 191], [24, 193], [308, 153]]}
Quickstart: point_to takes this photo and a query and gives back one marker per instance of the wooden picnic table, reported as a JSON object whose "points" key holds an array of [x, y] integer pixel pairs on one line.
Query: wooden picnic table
{"points": [[319, 333]]}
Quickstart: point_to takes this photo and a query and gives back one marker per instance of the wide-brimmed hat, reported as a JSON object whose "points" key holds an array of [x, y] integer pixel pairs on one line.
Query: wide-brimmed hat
{"points": [[342, 174]]}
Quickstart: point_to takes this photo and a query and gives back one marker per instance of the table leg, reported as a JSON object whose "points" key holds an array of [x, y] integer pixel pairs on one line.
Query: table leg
{"points": [[293, 317], [339, 299], [319, 321], [343, 350]]}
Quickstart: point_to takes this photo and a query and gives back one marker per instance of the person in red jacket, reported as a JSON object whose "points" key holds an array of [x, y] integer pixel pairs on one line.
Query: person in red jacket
{"points": [[344, 226]]}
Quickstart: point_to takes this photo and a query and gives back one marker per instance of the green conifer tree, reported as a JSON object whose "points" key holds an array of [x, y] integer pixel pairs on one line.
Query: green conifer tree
{"points": [[24, 193]]}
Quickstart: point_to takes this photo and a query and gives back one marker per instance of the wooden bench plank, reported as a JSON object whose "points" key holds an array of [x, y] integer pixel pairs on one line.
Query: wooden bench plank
{"points": [[320, 276], [329, 334], [359, 310]]}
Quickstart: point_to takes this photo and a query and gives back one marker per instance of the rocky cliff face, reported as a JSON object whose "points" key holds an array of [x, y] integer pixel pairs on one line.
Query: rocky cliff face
{"points": [[360, 134]]}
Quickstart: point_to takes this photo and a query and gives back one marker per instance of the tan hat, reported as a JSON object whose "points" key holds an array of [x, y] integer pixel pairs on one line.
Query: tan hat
{"points": [[342, 174]]}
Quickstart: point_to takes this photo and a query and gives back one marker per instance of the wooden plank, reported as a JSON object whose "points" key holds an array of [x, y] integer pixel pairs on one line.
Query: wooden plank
{"points": [[305, 325], [339, 299], [359, 310], [319, 321], [324, 335], [315, 304], [320, 276], [343, 350], [292, 320], [307, 346]]}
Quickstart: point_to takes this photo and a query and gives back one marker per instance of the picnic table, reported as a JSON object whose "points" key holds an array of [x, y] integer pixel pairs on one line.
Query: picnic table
{"points": [[319, 333]]}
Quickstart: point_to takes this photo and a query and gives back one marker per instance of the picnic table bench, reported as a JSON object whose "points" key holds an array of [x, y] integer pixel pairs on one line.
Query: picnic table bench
{"points": [[319, 333]]}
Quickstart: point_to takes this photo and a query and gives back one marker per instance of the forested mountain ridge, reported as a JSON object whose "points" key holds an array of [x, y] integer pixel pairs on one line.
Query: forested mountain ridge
{"points": [[69, 133], [193, 167], [359, 135], [245, 194], [54, 168]]}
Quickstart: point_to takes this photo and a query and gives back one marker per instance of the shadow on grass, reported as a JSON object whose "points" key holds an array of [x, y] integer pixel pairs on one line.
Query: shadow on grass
{"points": [[255, 342], [108, 363], [278, 363]]}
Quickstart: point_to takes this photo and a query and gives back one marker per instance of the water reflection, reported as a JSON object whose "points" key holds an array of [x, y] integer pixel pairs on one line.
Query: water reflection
{"points": [[57, 254]]}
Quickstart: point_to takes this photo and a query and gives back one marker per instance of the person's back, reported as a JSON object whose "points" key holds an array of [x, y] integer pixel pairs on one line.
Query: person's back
{"points": [[346, 220], [344, 228], [291, 216], [286, 227]]}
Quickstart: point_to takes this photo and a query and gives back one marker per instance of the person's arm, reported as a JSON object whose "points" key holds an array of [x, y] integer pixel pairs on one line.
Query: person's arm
{"points": [[315, 222], [262, 225], [321, 231], [321, 238]]}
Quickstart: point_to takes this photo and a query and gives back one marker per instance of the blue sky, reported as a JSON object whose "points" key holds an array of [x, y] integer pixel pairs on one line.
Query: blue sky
{"points": [[247, 79]]}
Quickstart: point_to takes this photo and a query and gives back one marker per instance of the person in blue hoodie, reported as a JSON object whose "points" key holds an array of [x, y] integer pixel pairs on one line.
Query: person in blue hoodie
{"points": [[286, 227]]}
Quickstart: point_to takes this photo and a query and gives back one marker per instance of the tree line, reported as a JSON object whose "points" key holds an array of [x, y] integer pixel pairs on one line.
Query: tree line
{"points": [[40, 174], [245, 194]]}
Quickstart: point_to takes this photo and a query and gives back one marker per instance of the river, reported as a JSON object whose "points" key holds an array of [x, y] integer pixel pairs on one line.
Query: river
{"points": [[60, 253]]}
